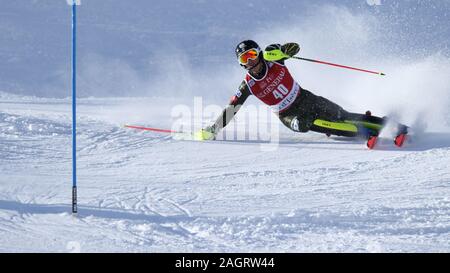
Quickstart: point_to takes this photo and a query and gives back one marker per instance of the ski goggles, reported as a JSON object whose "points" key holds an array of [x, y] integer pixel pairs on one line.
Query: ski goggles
{"points": [[250, 54]]}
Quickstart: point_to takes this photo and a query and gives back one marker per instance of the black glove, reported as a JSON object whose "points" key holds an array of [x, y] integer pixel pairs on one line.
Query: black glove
{"points": [[290, 49]]}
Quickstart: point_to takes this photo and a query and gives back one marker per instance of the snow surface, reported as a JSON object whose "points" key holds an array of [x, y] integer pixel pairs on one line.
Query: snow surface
{"points": [[142, 191]]}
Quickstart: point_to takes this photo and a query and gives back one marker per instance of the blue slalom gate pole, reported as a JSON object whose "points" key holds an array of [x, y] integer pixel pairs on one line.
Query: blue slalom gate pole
{"points": [[74, 107]]}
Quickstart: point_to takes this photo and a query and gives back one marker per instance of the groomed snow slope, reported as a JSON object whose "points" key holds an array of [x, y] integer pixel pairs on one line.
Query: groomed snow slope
{"points": [[144, 191]]}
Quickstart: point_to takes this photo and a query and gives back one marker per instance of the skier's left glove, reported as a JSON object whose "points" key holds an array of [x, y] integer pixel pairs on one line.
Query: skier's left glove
{"points": [[277, 52], [290, 49], [206, 134]]}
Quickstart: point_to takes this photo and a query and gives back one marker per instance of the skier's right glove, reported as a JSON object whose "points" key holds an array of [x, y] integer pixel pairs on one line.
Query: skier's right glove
{"points": [[206, 134]]}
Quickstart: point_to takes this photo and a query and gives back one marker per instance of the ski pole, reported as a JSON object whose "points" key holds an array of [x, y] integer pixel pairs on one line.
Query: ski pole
{"points": [[152, 129], [199, 136], [339, 65]]}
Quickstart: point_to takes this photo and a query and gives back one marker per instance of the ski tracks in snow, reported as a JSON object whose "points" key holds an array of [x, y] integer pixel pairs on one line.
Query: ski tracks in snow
{"points": [[141, 191]]}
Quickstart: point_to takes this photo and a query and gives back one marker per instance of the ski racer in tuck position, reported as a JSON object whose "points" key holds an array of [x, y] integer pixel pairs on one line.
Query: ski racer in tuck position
{"points": [[299, 109]]}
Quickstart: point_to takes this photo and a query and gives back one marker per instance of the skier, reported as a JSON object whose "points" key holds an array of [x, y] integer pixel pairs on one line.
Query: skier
{"points": [[299, 109]]}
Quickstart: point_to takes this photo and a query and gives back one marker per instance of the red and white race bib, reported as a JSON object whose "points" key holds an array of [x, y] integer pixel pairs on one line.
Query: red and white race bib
{"points": [[277, 88]]}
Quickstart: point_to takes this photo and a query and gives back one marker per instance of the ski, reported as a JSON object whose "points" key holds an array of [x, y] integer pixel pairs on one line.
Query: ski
{"points": [[401, 136], [400, 140], [371, 142]]}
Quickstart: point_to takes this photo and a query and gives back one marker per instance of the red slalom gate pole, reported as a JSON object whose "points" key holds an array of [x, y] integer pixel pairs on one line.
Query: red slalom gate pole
{"points": [[341, 66]]}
